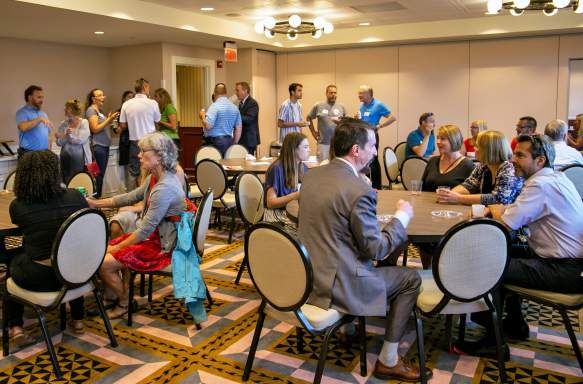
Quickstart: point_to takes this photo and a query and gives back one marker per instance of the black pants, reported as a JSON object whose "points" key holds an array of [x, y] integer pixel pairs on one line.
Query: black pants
{"points": [[528, 270], [222, 143], [375, 168], [35, 277], [101, 156]]}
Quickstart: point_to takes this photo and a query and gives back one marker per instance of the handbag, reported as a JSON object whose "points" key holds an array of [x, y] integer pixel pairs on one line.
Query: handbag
{"points": [[92, 167]]}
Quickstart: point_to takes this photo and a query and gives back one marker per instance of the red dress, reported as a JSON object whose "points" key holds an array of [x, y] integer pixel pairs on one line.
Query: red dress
{"points": [[146, 255]]}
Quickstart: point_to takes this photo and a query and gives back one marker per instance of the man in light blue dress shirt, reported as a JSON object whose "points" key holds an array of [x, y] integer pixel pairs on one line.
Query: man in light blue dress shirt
{"points": [[33, 124], [222, 122]]}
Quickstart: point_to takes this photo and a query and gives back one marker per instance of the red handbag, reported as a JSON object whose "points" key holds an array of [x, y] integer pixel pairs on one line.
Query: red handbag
{"points": [[93, 169]]}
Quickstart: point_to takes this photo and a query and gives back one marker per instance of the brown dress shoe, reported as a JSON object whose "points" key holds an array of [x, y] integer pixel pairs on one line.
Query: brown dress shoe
{"points": [[402, 371]]}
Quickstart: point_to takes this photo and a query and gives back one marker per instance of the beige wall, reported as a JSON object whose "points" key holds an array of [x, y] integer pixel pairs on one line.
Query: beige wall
{"points": [[64, 71], [242, 70], [264, 91], [576, 88], [133, 62], [497, 80]]}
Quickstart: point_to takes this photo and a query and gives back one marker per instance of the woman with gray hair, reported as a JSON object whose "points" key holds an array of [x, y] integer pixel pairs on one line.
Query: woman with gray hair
{"points": [[149, 247]]}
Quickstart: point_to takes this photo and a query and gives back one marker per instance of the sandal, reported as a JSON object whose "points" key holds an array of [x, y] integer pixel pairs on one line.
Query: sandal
{"points": [[117, 312]]}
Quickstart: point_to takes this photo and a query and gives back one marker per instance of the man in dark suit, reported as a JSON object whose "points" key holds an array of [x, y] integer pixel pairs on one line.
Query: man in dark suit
{"points": [[250, 115], [339, 228]]}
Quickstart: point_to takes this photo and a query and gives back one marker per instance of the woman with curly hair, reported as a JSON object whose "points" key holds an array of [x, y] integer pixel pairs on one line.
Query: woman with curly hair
{"points": [[40, 207], [149, 247]]}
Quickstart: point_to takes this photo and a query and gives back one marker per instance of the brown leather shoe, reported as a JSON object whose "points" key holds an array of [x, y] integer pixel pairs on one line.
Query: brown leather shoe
{"points": [[402, 371]]}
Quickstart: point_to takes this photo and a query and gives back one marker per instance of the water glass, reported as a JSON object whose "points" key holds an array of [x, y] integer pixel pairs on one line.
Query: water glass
{"points": [[416, 187]]}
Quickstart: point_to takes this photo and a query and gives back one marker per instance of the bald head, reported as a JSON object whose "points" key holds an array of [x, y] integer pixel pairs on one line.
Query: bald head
{"points": [[220, 89]]}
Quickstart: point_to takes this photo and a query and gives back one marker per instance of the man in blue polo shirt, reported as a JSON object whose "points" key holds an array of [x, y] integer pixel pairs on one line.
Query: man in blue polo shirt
{"points": [[33, 124], [372, 111], [222, 122], [421, 142]]}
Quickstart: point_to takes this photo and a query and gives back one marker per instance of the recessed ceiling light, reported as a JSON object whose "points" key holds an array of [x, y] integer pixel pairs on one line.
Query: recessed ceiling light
{"points": [[207, 9], [364, 24], [99, 32]]}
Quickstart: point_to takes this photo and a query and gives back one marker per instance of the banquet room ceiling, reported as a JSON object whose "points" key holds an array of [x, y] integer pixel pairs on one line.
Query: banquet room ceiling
{"points": [[342, 13], [131, 22]]}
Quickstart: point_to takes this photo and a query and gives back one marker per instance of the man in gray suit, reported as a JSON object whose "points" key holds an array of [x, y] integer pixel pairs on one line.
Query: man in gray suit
{"points": [[339, 228]]}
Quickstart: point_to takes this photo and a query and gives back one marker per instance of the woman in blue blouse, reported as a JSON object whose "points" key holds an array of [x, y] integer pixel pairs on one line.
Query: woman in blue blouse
{"points": [[491, 182], [284, 176]]}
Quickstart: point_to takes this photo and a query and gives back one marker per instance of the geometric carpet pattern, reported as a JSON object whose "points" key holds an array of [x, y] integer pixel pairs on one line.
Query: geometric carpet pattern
{"points": [[164, 346]]}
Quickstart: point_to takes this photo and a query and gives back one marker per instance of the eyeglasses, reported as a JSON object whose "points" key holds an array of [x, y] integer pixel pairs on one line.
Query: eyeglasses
{"points": [[142, 150]]}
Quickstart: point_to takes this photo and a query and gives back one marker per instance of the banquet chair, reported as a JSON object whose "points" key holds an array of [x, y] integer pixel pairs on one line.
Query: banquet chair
{"points": [[200, 229], [9, 182], [562, 302], [249, 198], [391, 166], [211, 175], [205, 152], [236, 151], [468, 267], [575, 173], [83, 235], [83, 179], [400, 153], [284, 284], [412, 169]]}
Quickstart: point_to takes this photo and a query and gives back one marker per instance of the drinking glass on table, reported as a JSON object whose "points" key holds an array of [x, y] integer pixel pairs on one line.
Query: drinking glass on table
{"points": [[416, 187]]}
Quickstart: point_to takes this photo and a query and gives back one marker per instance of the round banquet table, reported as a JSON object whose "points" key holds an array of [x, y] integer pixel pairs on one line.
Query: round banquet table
{"points": [[236, 166], [424, 227]]}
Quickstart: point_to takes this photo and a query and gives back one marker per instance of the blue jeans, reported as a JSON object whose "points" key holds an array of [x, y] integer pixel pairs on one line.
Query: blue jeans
{"points": [[101, 156]]}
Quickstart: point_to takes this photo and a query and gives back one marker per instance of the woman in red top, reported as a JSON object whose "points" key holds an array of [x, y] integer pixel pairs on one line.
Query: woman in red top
{"points": [[476, 127]]}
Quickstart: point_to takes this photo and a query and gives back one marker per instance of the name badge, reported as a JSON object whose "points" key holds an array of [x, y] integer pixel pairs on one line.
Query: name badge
{"points": [[367, 114], [336, 112], [324, 112]]}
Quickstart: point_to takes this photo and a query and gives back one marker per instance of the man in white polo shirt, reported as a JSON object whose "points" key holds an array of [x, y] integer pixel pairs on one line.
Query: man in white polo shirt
{"points": [[552, 208], [140, 116]]}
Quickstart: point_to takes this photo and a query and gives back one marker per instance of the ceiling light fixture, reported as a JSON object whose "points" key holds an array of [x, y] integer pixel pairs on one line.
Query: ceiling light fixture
{"points": [[207, 9], [99, 32], [364, 24], [293, 27], [548, 7]]}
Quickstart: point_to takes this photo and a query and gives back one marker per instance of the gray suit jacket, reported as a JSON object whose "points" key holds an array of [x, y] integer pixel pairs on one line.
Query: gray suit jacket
{"points": [[339, 228]]}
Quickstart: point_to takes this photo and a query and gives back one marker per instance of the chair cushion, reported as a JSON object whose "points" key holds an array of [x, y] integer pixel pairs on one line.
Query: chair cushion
{"points": [[195, 193], [227, 201], [46, 299], [566, 299], [431, 295], [317, 317]]}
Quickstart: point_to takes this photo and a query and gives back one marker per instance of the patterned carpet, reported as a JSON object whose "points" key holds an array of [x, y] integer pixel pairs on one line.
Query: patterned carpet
{"points": [[163, 346]]}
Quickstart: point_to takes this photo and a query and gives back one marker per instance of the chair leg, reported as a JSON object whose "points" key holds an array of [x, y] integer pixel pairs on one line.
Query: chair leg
{"points": [[208, 294], [255, 342], [448, 331], [420, 345], [142, 285], [572, 336], [461, 332], [105, 318], [499, 340], [49, 342], [405, 253], [63, 309], [362, 339], [150, 287], [232, 229], [5, 328], [300, 339], [241, 269], [131, 297], [323, 354]]}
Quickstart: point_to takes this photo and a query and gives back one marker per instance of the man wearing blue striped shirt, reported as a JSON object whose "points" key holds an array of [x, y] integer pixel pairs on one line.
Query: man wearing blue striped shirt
{"points": [[290, 116], [222, 122]]}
